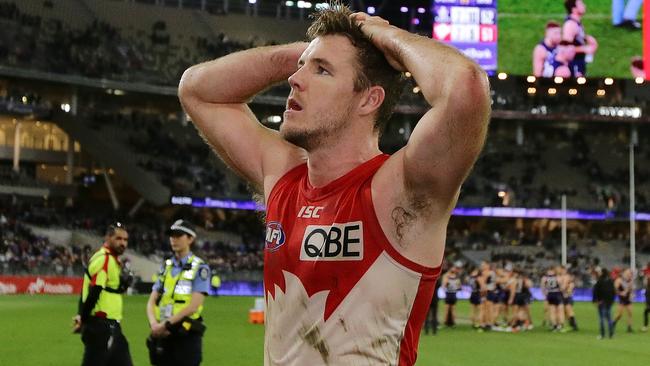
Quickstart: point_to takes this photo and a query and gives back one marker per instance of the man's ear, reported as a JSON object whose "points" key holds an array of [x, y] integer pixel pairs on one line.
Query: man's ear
{"points": [[371, 100]]}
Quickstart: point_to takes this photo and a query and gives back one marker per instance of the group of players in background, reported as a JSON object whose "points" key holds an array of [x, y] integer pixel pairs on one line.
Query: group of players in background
{"points": [[500, 298], [565, 49]]}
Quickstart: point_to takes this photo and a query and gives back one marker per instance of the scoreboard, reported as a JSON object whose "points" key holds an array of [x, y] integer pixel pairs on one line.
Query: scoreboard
{"points": [[471, 27]]}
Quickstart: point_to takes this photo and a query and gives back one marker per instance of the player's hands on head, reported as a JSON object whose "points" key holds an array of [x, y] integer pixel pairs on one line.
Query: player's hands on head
{"points": [[381, 33]]}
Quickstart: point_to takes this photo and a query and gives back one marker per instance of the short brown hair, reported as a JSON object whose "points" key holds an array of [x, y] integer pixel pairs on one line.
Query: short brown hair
{"points": [[569, 5], [373, 68], [552, 24]]}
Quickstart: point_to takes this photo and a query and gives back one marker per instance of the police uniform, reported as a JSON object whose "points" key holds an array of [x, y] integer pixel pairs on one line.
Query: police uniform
{"points": [[101, 332], [177, 281]]}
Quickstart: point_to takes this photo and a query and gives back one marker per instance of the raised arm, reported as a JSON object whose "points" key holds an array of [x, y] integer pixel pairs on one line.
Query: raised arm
{"points": [[215, 94], [448, 138]]}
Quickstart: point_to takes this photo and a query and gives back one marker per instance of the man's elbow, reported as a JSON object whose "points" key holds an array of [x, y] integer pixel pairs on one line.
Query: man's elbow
{"points": [[473, 86]]}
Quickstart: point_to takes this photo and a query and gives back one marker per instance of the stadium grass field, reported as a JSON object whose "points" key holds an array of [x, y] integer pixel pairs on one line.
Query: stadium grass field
{"points": [[521, 27], [35, 330]]}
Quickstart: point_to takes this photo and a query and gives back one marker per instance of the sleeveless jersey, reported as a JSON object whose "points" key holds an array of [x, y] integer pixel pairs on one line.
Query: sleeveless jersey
{"points": [[490, 281], [453, 284], [579, 61], [474, 284], [551, 283], [548, 70], [519, 286], [337, 292], [626, 286]]}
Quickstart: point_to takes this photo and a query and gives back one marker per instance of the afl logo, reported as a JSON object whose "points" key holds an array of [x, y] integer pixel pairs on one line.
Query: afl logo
{"points": [[274, 236]]}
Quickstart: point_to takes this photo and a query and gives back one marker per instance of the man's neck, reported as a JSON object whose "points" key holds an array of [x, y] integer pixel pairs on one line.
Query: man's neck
{"points": [[335, 160], [576, 17]]}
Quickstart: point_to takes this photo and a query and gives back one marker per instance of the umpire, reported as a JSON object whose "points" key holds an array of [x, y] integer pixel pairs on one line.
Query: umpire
{"points": [[176, 301], [100, 307]]}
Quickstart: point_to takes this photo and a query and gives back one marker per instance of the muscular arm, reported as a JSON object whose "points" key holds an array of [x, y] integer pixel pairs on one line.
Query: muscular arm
{"points": [[569, 31], [215, 94], [539, 55], [617, 286], [448, 138], [151, 305]]}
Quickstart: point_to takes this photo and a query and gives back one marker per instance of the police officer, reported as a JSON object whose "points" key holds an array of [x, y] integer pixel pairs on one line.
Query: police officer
{"points": [[176, 301], [100, 306]]}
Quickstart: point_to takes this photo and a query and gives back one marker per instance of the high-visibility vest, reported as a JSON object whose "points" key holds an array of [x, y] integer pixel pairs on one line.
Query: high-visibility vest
{"points": [[104, 270], [177, 290]]}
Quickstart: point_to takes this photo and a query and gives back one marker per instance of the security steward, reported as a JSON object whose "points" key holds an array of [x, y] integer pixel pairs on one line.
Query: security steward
{"points": [[176, 301], [100, 306]]}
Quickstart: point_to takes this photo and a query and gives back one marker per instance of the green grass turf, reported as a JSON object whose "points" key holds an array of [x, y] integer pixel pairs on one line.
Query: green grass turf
{"points": [[521, 27], [35, 330]]}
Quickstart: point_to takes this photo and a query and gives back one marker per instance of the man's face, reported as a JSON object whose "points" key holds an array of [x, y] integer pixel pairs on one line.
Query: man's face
{"points": [[580, 7], [180, 241], [118, 241], [554, 35], [322, 98]]}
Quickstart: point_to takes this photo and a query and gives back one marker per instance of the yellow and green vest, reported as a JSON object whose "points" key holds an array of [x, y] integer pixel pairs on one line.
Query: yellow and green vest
{"points": [[177, 290], [104, 270]]}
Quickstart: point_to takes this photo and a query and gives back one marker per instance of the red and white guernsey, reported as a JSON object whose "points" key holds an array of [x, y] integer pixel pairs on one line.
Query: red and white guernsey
{"points": [[337, 292]]}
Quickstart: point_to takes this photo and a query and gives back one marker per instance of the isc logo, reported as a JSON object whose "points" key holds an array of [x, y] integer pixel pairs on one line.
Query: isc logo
{"points": [[308, 212], [339, 242]]}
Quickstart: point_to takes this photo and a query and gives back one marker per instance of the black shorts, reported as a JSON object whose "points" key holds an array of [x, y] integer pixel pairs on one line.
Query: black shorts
{"points": [[493, 296], [624, 300], [504, 297], [475, 298], [578, 64], [554, 298], [451, 299], [529, 297], [521, 299], [567, 300]]}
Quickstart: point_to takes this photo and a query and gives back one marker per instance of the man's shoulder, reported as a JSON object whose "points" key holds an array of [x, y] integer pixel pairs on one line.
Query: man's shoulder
{"points": [[100, 255]]}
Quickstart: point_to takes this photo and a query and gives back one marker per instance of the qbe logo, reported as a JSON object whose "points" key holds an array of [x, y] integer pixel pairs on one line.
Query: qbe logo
{"points": [[338, 242], [274, 236]]}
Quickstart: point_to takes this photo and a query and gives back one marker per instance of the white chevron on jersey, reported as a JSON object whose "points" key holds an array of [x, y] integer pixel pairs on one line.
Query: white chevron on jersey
{"points": [[365, 329]]}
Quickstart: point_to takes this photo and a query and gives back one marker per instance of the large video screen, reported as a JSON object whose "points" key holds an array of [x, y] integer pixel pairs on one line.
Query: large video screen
{"points": [[592, 38]]}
